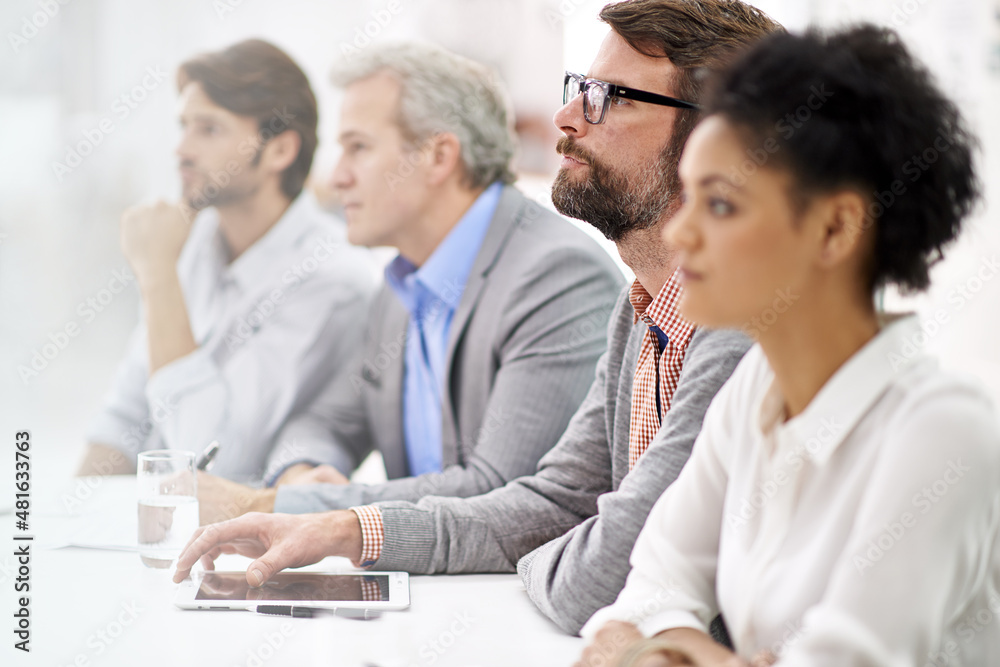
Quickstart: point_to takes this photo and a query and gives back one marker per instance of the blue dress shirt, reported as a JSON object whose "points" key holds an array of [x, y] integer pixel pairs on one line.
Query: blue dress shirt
{"points": [[431, 294]]}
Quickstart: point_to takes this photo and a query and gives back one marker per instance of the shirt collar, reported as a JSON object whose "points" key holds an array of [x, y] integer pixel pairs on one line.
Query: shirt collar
{"points": [[662, 310], [847, 396], [257, 262], [446, 271]]}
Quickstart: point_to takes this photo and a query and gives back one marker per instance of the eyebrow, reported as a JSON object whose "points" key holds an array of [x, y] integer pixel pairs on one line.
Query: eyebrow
{"points": [[713, 178], [620, 84], [344, 136], [201, 117]]}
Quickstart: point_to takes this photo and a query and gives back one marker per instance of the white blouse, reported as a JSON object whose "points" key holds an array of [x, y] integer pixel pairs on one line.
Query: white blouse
{"points": [[863, 531]]}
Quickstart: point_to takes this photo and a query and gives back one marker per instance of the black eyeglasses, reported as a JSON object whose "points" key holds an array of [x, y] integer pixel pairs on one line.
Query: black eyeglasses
{"points": [[597, 96]]}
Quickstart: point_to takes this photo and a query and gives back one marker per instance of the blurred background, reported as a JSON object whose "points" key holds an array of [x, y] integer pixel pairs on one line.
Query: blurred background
{"points": [[71, 69]]}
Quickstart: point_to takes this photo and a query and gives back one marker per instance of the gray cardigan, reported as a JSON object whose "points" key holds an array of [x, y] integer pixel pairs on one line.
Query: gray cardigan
{"points": [[570, 527], [524, 341]]}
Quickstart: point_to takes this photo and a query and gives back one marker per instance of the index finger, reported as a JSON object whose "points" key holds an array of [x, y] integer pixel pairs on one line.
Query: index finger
{"points": [[185, 561], [204, 540]]}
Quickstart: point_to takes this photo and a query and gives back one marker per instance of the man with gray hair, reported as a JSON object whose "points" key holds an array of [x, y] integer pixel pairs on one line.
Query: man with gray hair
{"points": [[483, 341]]}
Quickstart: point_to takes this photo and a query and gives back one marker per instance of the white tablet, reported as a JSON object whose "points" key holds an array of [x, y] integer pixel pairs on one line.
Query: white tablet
{"points": [[306, 590]]}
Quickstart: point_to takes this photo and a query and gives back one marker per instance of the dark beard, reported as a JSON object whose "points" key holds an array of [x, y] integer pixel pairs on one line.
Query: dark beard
{"points": [[613, 204], [222, 192], [212, 194]]}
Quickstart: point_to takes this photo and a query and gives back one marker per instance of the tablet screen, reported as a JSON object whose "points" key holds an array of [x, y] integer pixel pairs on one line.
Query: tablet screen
{"points": [[296, 586]]}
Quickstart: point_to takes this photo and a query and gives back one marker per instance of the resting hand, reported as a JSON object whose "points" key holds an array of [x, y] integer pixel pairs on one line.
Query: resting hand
{"points": [[220, 499], [276, 541], [617, 641], [609, 644], [763, 659], [152, 237], [305, 473]]}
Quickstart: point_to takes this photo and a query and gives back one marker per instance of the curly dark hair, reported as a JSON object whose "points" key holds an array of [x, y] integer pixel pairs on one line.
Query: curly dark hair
{"points": [[854, 109]]}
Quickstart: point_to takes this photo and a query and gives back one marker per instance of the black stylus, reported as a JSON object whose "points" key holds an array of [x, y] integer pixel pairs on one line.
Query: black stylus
{"points": [[309, 612], [284, 610]]}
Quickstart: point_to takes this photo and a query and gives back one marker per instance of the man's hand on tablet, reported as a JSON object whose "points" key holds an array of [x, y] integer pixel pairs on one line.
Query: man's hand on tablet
{"points": [[276, 541]]}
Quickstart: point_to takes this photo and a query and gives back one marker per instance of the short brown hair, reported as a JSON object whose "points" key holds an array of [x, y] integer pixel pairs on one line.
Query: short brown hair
{"points": [[697, 36], [256, 79]]}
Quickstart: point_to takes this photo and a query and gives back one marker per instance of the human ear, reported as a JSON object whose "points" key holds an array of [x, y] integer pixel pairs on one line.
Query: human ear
{"points": [[844, 222], [281, 151], [445, 156]]}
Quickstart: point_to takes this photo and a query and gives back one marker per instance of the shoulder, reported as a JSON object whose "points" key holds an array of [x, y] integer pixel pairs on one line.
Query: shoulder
{"points": [[940, 412], [715, 357], [542, 238], [727, 374], [727, 344]]}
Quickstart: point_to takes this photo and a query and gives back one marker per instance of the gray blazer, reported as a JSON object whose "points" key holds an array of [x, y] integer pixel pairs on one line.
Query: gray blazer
{"points": [[570, 527], [524, 342]]}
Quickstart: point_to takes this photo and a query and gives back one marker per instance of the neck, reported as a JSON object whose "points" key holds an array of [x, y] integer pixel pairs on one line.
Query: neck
{"points": [[443, 211], [243, 223], [812, 340], [644, 251]]}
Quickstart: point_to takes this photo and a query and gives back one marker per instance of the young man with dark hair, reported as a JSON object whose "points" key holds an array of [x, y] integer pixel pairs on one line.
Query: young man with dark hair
{"points": [[569, 528], [251, 296]]}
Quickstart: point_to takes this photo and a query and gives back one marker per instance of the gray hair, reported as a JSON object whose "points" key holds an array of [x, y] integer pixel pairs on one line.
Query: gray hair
{"points": [[444, 92]]}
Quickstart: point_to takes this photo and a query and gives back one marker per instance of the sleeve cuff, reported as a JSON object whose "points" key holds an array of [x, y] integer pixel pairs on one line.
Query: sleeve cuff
{"points": [[372, 534]]}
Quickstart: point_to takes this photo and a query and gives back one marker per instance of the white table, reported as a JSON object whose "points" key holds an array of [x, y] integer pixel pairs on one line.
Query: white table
{"points": [[103, 607]]}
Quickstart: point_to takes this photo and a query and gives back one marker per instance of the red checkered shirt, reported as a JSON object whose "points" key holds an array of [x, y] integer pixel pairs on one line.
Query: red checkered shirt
{"points": [[661, 312], [645, 421]]}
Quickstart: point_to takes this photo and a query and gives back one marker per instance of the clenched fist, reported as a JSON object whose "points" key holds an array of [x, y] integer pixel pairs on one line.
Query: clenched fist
{"points": [[152, 236]]}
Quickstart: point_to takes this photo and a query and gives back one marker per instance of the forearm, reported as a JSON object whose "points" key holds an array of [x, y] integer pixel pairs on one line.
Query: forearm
{"points": [[456, 482], [487, 533], [167, 322]]}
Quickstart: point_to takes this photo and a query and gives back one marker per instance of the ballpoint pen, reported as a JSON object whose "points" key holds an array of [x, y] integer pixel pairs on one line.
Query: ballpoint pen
{"points": [[208, 456]]}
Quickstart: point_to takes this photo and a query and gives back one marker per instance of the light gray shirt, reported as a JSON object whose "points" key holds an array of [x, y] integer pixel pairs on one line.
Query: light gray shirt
{"points": [[271, 326]]}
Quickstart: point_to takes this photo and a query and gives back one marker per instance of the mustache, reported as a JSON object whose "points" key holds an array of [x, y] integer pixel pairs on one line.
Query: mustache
{"points": [[567, 146]]}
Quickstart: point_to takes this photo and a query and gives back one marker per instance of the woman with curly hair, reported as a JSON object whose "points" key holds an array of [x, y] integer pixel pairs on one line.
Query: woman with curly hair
{"points": [[842, 503]]}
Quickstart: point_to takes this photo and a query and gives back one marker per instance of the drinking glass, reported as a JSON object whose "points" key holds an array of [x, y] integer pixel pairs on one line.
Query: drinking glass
{"points": [[168, 504]]}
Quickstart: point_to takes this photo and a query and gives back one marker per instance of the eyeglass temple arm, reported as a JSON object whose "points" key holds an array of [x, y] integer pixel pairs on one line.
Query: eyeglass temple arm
{"points": [[643, 96]]}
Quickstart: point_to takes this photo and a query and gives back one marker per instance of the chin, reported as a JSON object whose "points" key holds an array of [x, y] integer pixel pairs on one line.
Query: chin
{"points": [[577, 173], [356, 235]]}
